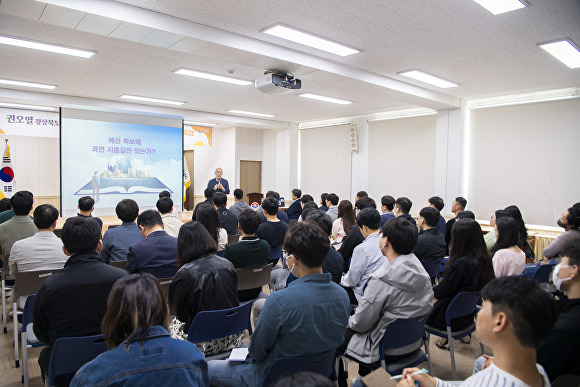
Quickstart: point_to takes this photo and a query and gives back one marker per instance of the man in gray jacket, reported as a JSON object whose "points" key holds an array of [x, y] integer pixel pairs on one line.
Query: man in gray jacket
{"points": [[401, 289]]}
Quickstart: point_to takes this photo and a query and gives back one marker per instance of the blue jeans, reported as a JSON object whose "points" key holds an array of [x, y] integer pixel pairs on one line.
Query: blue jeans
{"points": [[224, 373]]}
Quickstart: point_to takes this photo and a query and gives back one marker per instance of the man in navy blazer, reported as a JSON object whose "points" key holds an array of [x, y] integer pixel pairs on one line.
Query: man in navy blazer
{"points": [[295, 209], [157, 253], [219, 184]]}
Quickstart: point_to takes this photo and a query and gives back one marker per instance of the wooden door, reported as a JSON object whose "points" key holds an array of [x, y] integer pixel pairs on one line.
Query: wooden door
{"points": [[250, 177], [188, 205]]}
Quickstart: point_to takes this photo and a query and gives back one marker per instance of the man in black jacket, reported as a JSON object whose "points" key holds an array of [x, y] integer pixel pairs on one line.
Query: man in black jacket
{"points": [[430, 244], [73, 302], [228, 221], [403, 207]]}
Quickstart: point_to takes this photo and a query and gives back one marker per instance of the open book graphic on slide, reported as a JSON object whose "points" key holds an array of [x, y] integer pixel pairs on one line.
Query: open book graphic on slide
{"points": [[125, 185]]}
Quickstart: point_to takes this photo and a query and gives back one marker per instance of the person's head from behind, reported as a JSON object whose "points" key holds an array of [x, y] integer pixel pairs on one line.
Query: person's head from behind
{"points": [[149, 221], [323, 197], [164, 194], [164, 205], [331, 200], [273, 194], [399, 236], [81, 236], [369, 221], [458, 205], [127, 210], [402, 206], [360, 194], [364, 202], [428, 218], [506, 234], [466, 215], [467, 241], [219, 199], [86, 204], [437, 203], [193, 242], [570, 218], [304, 379], [208, 193], [45, 217], [566, 274], [270, 206], [136, 303], [238, 194], [5, 205], [249, 221], [207, 215], [22, 202], [387, 203], [322, 219], [306, 245], [306, 199], [296, 193], [515, 311], [514, 212], [308, 207]]}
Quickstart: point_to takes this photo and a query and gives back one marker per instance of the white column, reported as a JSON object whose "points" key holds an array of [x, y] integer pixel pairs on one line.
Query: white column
{"points": [[360, 160]]}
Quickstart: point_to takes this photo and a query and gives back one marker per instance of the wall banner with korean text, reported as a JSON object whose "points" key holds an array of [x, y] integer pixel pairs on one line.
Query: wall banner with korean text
{"points": [[32, 123], [196, 136]]}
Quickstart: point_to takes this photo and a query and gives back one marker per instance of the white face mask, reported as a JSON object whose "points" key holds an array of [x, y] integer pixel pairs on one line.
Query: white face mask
{"points": [[557, 280]]}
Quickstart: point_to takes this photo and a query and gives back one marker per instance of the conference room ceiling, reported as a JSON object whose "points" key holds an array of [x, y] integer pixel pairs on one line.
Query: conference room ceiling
{"points": [[455, 39]]}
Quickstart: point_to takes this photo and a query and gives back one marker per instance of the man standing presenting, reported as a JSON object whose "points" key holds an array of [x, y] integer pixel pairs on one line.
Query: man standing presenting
{"points": [[218, 183]]}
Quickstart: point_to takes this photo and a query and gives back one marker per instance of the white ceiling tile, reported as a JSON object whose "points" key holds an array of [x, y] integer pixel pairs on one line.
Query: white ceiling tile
{"points": [[215, 51], [131, 32], [27, 9], [60, 16], [162, 39], [99, 25], [189, 45]]}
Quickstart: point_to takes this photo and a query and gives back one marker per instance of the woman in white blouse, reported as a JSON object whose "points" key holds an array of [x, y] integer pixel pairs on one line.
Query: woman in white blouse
{"points": [[344, 222], [508, 259]]}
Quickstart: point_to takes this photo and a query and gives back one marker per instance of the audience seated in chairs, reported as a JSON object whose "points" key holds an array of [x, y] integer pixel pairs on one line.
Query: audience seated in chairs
{"points": [[430, 242], [227, 220], [307, 318], [21, 225], [204, 281], [171, 224], [86, 207], [73, 302], [507, 257], [354, 237], [509, 323], [280, 215], [207, 215], [141, 352], [399, 289], [570, 221], [273, 230], [343, 222], [116, 241]]}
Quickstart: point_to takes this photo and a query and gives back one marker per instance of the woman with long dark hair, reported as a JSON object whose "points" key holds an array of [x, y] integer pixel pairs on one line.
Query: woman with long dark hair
{"points": [[508, 258], [136, 324], [469, 268], [207, 215], [344, 222], [204, 281], [514, 212]]}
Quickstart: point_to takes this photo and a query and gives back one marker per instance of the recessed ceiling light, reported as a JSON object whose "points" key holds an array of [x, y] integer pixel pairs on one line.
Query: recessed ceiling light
{"points": [[154, 100], [428, 78], [264, 115], [194, 123], [212, 77], [565, 51], [325, 99], [45, 47], [500, 6], [28, 107], [308, 39], [26, 84]]}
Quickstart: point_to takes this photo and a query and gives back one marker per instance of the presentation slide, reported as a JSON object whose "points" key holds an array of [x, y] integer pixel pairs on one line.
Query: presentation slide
{"points": [[112, 161]]}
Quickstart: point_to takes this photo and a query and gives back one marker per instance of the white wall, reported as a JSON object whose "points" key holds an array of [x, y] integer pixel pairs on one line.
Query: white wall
{"points": [[525, 155]]}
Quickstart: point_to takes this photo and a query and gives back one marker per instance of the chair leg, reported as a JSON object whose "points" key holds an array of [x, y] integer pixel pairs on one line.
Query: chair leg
{"points": [[24, 359], [450, 338], [4, 306], [15, 324], [428, 352]]}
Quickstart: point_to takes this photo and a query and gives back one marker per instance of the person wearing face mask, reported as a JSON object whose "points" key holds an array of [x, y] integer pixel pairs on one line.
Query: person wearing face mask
{"points": [[570, 221]]}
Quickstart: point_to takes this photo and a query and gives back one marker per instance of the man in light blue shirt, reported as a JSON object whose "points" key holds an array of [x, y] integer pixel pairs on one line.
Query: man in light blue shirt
{"points": [[306, 318], [116, 241]]}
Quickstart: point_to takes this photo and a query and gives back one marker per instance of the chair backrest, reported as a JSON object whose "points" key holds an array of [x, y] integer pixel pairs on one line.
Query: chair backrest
{"points": [[462, 304], [27, 312], [275, 253], [542, 275], [165, 283], [71, 353], [28, 282], [403, 332], [253, 277], [233, 239], [5, 267], [322, 364], [214, 324], [119, 264], [432, 266]]}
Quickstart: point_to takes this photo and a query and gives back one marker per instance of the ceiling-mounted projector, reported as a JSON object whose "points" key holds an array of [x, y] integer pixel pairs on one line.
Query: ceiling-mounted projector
{"points": [[277, 83]]}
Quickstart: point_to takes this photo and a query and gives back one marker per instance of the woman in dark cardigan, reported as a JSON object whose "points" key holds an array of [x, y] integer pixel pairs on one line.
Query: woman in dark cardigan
{"points": [[469, 268]]}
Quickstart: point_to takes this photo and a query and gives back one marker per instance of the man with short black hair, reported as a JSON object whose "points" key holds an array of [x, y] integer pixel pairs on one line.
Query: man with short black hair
{"points": [[457, 206], [333, 261], [73, 302], [21, 225], [366, 257], [430, 244], [208, 193], [387, 205], [228, 221], [438, 203], [306, 318], [171, 225], [239, 204], [250, 251], [332, 204], [86, 207], [280, 215], [295, 208], [402, 208], [273, 230], [156, 254], [117, 240], [354, 236], [167, 194]]}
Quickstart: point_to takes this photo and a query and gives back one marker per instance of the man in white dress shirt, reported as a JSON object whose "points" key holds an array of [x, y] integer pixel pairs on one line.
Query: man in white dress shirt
{"points": [[172, 224]]}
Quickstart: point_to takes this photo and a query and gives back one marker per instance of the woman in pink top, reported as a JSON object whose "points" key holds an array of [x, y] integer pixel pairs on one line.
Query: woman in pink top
{"points": [[344, 222], [508, 258]]}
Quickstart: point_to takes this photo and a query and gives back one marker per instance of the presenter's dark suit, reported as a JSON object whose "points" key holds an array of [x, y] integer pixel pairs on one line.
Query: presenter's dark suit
{"points": [[295, 210], [213, 182], [156, 254]]}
